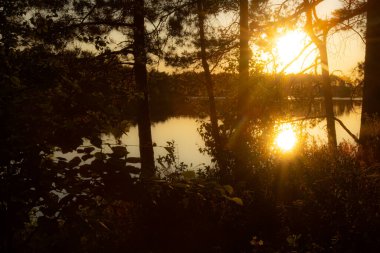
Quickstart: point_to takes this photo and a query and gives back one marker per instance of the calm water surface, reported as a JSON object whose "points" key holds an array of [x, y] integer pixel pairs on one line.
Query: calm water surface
{"points": [[183, 130]]}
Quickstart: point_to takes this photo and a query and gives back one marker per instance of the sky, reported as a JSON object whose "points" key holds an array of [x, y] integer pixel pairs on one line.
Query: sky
{"points": [[345, 49]]}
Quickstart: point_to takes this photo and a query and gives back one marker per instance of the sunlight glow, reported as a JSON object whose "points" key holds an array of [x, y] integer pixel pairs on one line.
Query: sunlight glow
{"points": [[289, 46], [286, 138]]}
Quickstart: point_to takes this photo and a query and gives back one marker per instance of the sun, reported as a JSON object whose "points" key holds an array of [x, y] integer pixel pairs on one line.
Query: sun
{"points": [[289, 46], [286, 138]]}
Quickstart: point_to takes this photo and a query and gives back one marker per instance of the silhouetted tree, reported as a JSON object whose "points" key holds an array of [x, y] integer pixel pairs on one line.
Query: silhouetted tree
{"points": [[318, 30], [369, 132], [209, 83], [143, 117], [208, 46], [320, 40], [90, 22], [240, 145]]}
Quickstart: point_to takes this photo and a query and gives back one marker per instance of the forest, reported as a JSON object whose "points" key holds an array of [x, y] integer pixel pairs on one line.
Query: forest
{"points": [[256, 77]]}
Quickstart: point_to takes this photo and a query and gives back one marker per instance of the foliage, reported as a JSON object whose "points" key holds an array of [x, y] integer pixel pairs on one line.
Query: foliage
{"points": [[330, 201], [53, 100], [312, 202], [169, 167]]}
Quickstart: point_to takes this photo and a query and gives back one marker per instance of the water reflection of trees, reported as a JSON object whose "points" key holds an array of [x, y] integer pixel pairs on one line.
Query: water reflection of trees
{"points": [[165, 108], [315, 108], [184, 95]]}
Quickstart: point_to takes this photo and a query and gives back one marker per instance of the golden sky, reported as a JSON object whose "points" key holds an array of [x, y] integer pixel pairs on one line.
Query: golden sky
{"points": [[345, 49]]}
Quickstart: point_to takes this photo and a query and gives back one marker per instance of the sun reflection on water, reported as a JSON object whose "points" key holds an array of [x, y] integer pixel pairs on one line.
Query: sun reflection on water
{"points": [[286, 137]]}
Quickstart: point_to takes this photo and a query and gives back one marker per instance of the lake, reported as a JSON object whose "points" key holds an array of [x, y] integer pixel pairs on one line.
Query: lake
{"points": [[183, 130]]}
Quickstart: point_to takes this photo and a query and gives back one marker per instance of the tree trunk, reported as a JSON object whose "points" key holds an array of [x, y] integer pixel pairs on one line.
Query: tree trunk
{"points": [[245, 52], [143, 117], [326, 82], [370, 132], [240, 139], [209, 83], [327, 94]]}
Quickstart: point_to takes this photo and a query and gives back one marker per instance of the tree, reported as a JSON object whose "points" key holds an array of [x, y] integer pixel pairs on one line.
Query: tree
{"points": [[53, 95], [318, 30], [206, 47], [99, 21], [240, 145], [143, 117], [209, 83], [320, 41], [244, 58], [247, 99], [127, 17], [369, 132]]}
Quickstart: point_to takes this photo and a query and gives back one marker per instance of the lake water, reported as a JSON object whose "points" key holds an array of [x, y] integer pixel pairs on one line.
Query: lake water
{"points": [[183, 130]]}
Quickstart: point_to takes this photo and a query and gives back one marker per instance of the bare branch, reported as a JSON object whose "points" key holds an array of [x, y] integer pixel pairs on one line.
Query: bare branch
{"points": [[347, 130], [88, 14], [353, 136], [104, 23], [296, 58], [358, 11]]}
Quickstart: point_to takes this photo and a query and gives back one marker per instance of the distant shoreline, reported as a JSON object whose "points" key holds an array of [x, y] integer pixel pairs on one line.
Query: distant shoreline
{"points": [[289, 98], [334, 98]]}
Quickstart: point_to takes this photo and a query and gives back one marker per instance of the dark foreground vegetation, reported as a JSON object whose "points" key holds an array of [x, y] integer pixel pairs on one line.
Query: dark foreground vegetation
{"points": [[315, 201]]}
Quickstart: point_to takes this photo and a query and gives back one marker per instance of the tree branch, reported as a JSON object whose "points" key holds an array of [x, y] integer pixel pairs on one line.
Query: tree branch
{"points": [[88, 14], [347, 130], [105, 23], [356, 139], [296, 58], [358, 11]]}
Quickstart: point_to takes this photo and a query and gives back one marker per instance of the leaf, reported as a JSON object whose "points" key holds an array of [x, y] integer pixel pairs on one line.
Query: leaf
{"points": [[228, 189], [132, 169], [119, 151], [237, 200], [75, 161], [15, 80], [88, 150], [86, 157], [100, 156], [96, 141], [188, 175], [133, 160], [181, 185], [104, 225], [169, 149], [116, 164]]}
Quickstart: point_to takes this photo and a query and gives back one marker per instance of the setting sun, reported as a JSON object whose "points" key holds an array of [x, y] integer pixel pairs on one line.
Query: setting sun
{"points": [[286, 138], [289, 47]]}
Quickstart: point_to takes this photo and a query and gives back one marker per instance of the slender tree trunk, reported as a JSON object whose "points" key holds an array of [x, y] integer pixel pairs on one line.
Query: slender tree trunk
{"points": [[327, 94], [245, 52], [239, 143], [6, 207], [143, 117], [370, 132], [326, 84], [209, 83]]}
